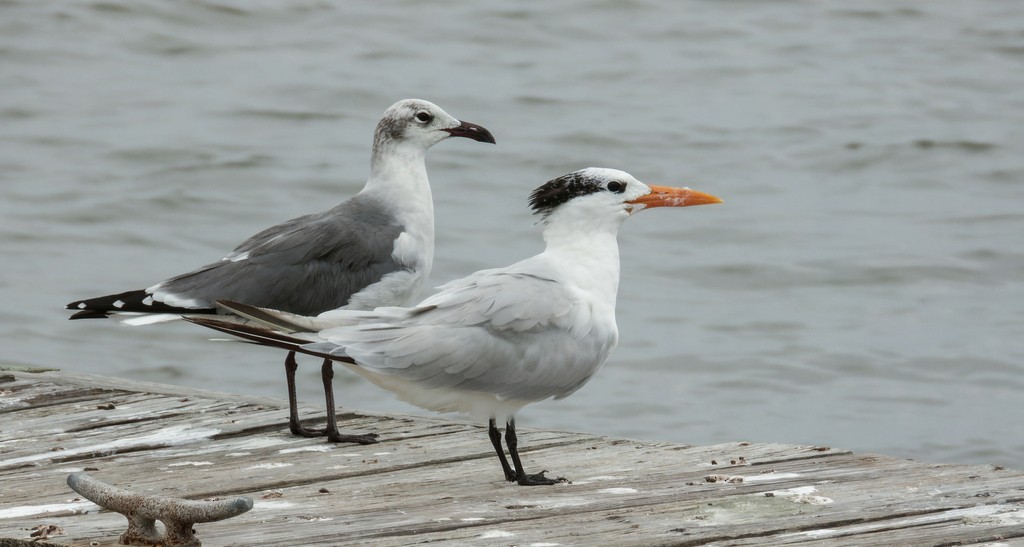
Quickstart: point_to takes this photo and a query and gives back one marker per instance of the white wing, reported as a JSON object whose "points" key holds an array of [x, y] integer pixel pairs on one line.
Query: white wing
{"points": [[509, 333]]}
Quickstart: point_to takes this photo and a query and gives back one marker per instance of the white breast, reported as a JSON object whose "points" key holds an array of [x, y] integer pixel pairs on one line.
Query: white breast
{"points": [[402, 287]]}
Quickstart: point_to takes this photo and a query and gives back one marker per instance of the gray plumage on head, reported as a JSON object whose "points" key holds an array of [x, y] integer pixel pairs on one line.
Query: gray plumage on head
{"points": [[423, 122], [399, 118]]}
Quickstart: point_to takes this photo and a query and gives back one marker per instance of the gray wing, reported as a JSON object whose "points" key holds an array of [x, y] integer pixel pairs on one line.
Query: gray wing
{"points": [[306, 265]]}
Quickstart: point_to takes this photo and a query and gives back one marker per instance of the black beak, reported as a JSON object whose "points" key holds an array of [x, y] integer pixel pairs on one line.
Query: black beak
{"points": [[472, 131]]}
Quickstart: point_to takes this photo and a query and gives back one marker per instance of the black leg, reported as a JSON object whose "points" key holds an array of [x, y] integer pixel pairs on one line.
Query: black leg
{"points": [[513, 450], [293, 406], [327, 374], [492, 431]]}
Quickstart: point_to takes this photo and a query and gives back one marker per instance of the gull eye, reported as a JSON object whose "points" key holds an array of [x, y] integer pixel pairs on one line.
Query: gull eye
{"points": [[617, 187], [423, 116]]}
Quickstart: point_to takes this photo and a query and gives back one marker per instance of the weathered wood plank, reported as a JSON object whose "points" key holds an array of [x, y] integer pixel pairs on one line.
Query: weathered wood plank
{"points": [[434, 480]]}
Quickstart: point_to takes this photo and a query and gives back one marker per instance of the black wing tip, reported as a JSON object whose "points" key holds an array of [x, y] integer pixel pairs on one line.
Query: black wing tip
{"points": [[83, 309], [137, 301], [102, 306], [86, 313]]}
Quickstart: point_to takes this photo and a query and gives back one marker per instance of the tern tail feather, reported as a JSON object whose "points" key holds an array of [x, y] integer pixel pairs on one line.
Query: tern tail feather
{"points": [[279, 320], [265, 337]]}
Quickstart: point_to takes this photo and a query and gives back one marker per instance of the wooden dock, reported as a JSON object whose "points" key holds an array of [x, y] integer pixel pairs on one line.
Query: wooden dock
{"points": [[437, 481]]}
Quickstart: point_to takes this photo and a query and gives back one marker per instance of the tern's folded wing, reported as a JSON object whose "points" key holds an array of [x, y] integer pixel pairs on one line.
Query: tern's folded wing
{"points": [[515, 335]]}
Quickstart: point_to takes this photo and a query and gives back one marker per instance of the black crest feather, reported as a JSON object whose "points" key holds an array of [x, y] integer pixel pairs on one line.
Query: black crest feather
{"points": [[557, 191]]}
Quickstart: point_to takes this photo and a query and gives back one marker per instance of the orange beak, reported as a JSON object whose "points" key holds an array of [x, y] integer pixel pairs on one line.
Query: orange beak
{"points": [[667, 196]]}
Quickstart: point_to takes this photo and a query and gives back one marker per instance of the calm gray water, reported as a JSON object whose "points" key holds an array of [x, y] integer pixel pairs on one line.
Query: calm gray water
{"points": [[862, 286]]}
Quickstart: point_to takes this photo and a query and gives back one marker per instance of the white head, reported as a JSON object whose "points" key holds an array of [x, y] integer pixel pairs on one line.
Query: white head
{"points": [[423, 123], [605, 197]]}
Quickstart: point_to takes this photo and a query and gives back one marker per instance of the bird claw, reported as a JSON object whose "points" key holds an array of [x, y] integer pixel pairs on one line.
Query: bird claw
{"points": [[333, 436], [297, 429], [540, 480], [366, 438]]}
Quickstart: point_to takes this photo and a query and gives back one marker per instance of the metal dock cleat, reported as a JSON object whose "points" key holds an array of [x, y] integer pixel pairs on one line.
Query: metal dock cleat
{"points": [[142, 511]]}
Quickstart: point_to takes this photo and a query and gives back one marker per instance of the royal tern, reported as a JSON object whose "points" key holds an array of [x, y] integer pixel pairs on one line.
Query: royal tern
{"points": [[375, 249], [496, 340]]}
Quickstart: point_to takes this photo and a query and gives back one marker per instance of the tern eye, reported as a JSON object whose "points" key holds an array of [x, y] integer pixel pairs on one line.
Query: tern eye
{"points": [[423, 116], [617, 187]]}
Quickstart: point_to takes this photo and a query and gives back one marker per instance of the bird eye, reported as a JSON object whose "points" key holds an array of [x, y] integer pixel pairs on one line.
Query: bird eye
{"points": [[424, 116], [617, 187]]}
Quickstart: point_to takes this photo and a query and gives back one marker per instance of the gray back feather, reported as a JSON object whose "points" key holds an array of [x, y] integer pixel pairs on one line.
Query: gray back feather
{"points": [[306, 265]]}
